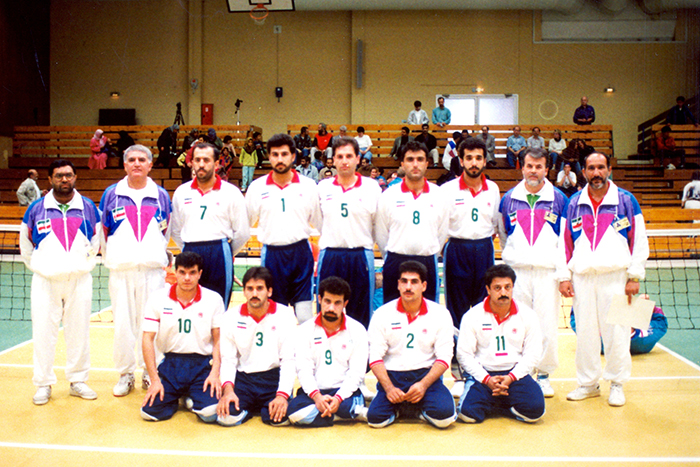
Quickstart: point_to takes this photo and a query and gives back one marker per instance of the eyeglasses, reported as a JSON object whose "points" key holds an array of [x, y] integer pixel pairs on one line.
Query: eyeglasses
{"points": [[63, 176]]}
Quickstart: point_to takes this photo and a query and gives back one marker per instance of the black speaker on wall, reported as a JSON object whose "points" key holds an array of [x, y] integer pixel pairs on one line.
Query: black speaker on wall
{"points": [[117, 117]]}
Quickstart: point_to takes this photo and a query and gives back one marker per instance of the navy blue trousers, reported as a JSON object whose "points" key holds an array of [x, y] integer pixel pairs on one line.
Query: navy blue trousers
{"points": [[466, 262], [217, 274], [292, 268]]}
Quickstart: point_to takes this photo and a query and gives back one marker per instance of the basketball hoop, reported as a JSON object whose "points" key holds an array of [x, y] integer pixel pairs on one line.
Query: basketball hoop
{"points": [[259, 14]]}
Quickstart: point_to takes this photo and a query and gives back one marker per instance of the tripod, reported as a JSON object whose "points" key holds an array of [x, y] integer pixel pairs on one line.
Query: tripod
{"points": [[179, 119]]}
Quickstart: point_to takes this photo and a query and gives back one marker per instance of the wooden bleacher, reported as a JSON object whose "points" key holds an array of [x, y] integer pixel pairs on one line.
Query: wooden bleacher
{"points": [[687, 137]]}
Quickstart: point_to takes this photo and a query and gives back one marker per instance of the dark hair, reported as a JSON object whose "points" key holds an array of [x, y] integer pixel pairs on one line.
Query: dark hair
{"points": [[279, 140], [498, 270], [341, 141], [336, 286], [304, 128], [305, 157], [456, 134], [405, 128], [258, 272], [206, 145], [189, 259], [535, 153], [60, 163], [441, 97], [415, 267], [413, 146], [424, 126], [256, 134], [666, 129], [536, 128], [227, 138], [417, 104], [360, 129], [680, 98], [470, 143], [607, 158]]}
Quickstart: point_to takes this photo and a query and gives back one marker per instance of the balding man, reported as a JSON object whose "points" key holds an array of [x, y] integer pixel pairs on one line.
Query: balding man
{"points": [[29, 191], [585, 114]]}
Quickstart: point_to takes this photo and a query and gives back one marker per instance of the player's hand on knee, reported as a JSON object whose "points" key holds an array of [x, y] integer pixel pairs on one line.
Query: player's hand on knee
{"points": [[416, 392], [214, 384], [333, 405], [222, 408], [154, 390], [323, 404], [278, 409], [395, 395]]}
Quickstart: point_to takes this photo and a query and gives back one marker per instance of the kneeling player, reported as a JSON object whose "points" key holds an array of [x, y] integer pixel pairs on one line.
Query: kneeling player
{"points": [[499, 345], [331, 359], [185, 318], [257, 355], [410, 347]]}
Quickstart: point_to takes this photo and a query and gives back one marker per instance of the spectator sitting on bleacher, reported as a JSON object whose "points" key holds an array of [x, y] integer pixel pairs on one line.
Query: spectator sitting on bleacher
{"points": [[584, 114], [259, 146], [691, 192], [396, 177], [566, 180], [556, 146], [190, 139], [680, 114], [307, 169], [570, 156], [365, 143], [490, 143], [535, 141], [228, 144], [99, 145], [125, 140], [213, 139], [167, 145], [365, 168], [430, 142], [418, 115], [400, 142], [375, 174], [584, 150], [225, 162], [303, 143], [320, 145], [29, 191], [328, 170], [441, 115], [451, 149], [515, 145], [665, 150]]}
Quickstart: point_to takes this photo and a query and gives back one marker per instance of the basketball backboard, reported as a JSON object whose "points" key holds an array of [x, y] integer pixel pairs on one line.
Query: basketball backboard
{"points": [[244, 6]]}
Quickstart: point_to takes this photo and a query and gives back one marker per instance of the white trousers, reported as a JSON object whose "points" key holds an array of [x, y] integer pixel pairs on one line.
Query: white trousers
{"points": [[129, 291], [538, 288], [592, 297], [54, 300]]}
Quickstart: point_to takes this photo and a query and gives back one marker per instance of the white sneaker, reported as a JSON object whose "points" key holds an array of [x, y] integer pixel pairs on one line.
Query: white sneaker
{"points": [[457, 389], [145, 381], [367, 393], [545, 385], [670, 167], [617, 396], [83, 391], [42, 395], [583, 392], [124, 386], [361, 413]]}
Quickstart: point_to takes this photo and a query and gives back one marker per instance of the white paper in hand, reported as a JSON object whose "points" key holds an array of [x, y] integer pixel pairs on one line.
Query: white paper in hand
{"points": [[637, 315]]}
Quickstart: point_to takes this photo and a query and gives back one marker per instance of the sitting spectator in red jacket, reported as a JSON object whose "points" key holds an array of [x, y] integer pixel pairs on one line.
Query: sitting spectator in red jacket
{"points": [[665, 151]]}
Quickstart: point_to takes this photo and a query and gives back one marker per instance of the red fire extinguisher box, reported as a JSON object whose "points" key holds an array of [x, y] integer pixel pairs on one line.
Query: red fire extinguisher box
{"points": [[207, 114]]}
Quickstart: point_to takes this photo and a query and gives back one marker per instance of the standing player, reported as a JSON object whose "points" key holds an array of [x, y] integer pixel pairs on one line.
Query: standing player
{"points": [[331, 359], [58, 240], [499, 345], [183, 321], [285, 205], [532, 214], [209, 218], [257, 355], [412, 222], [606, 248], [349, 205], [410, 347], [135, 216]]}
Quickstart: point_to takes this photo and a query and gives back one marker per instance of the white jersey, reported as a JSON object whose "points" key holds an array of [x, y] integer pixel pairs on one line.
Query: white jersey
{"points": [[253, 346], [405, 344], [335, 361], [183, 328], [348, 215], [284, 212], [488, 344], [412, 225], [472, 216], [200, 217]]}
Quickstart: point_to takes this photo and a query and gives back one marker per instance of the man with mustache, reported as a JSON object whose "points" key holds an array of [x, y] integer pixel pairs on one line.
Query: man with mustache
{"points": [[331, 359], [257, 355], [210, 219], [532, 214], [604, 247], [499, 345], [285, 206], [410, 347]]}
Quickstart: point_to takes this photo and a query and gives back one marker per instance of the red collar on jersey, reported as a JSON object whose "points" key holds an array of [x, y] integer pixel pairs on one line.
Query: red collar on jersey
{"points": [[341, 328], [513, 310], [423, 310], [270, 311], [463, 185], [295, 179], [426, 188], [173, 296], [357, 184], [217, 185]]}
